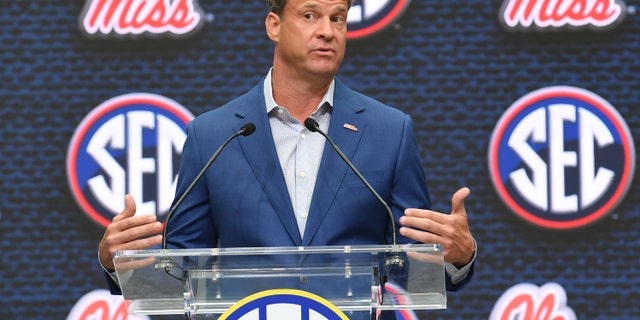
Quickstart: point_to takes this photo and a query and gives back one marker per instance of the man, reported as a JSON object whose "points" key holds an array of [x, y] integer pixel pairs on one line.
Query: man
{"points": [[282, 186]]}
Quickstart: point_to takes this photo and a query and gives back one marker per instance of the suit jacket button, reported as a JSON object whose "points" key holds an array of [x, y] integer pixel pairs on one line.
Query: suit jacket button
{"points": [[304, 279]]}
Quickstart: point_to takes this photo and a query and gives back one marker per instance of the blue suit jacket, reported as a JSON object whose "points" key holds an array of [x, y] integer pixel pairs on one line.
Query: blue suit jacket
{"points": [[242, 200]]}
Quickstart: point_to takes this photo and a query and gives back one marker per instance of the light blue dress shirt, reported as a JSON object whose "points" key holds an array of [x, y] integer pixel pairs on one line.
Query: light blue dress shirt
{"points": [[299, 150]]}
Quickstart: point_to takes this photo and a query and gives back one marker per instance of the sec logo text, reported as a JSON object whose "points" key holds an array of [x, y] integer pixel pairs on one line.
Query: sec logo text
{"points": [[561, 157], [283, 304], [129, 144]]}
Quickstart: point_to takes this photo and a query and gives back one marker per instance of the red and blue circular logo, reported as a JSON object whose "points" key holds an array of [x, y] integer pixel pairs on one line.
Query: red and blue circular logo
{"points": [[277, 304], [367, 17], [129, 144], [561, 157]]}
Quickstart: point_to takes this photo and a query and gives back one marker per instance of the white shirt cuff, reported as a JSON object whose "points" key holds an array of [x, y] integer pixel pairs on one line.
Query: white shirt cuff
{"points": [[112, 274], [457, 275]]}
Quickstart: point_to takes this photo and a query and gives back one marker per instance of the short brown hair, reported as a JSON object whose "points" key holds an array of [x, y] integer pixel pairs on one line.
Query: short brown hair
{"points": [[277, 6]]}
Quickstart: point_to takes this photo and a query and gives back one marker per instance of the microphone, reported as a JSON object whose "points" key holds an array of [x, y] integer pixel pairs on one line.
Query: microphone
{"points": [[313, 126], [245, 130], [394, 261]]}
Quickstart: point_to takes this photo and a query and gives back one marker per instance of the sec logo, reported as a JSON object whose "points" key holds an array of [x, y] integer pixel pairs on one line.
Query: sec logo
{"points": [[279, 304], [561, 157], [367, 17], [128, 144]]}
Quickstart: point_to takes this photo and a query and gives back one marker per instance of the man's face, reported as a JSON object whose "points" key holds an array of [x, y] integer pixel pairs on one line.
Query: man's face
{"points": [[312, 35]]}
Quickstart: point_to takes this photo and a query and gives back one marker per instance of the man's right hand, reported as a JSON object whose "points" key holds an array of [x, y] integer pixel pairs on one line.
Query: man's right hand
{"points": [[128, 232]]}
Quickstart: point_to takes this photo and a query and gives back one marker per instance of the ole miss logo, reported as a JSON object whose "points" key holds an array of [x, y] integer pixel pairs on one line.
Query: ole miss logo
{"points": [[102, 305], [134, 17], [130, 144], [526, 301], [367, 17], [561, 157], [544, 15]]}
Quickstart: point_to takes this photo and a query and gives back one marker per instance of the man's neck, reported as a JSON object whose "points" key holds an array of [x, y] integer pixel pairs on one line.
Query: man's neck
{"points": [[299, 96]]}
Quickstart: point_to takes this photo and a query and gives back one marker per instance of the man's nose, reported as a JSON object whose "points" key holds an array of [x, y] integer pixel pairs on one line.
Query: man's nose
{"points": [[325, 28]]}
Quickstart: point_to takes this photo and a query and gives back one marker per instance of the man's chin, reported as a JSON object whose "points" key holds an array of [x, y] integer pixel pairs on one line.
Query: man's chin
{"points": [[324, 70]]}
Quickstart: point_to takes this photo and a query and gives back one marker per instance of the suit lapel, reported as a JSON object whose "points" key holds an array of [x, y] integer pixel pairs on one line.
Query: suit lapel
{"points": [[332, 168], [261, 154]]}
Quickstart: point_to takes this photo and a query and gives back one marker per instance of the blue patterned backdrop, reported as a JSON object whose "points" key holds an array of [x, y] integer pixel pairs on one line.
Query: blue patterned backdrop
{"points": [[447, 63]]}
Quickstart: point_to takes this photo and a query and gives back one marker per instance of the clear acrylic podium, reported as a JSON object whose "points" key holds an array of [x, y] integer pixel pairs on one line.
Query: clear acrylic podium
{"points": [[353, 278]]}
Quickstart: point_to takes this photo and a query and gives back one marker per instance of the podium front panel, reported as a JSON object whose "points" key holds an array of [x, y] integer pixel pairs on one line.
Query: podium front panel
{"points": [[353, 278]]}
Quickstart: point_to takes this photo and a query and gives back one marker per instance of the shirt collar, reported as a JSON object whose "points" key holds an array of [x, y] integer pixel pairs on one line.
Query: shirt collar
{"points": [[271, 103]]}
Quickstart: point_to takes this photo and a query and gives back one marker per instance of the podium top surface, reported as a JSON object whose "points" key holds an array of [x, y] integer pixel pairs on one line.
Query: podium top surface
{"points": [[243, 251]]}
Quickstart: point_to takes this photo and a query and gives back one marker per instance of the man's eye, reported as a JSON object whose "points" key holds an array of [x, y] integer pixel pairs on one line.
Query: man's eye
{"points": [[309, 16]]}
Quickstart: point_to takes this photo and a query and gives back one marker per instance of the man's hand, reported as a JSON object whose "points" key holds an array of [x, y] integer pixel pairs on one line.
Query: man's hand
{"points": [[450, 230], [128, 232]]}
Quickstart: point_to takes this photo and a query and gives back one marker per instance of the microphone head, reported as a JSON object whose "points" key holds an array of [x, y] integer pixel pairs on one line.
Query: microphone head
{"points": [[248, 129], [311, 124]]}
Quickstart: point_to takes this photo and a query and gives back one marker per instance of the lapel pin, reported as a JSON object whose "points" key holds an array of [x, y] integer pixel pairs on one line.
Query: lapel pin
{"points": [[350, 127]]}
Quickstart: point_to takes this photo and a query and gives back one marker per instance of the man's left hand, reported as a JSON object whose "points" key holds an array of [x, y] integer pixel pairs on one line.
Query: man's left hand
{"points": [[449, 230]]}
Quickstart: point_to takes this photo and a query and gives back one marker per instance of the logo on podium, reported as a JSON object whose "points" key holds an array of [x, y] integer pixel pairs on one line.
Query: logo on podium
{"points": [[279, 304]]}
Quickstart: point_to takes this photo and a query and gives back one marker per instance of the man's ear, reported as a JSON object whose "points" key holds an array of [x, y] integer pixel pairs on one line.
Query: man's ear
{"points": [[272, 25]]}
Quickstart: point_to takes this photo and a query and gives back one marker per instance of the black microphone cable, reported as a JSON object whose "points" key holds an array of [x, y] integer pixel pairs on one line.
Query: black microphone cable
{"points": [[313, 126]]}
